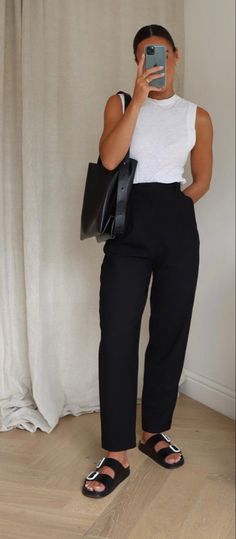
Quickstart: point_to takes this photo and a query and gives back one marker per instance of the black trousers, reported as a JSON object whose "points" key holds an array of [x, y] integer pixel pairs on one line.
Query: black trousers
{"points": [[161, 240]]}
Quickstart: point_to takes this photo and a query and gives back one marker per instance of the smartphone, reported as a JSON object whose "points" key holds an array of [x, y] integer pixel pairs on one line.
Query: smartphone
{"points": [[155, 55]]}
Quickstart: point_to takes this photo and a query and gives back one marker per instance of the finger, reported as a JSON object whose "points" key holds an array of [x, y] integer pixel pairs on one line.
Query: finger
{"points": [[153, 69], [140, 65], [156, 89], [156, 76]]}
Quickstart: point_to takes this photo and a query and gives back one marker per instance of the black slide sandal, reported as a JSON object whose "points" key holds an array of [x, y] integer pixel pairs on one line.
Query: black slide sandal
{"points": [[110, 483], [159, 455]]}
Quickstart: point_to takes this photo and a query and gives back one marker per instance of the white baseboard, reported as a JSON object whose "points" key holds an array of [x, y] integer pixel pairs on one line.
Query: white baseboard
{"points": [[208, 392]]}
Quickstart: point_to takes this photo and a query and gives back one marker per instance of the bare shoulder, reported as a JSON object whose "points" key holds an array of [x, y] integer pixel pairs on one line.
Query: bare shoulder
{"points": [[112, 113], [201, 153], [113, 105], [203, 118]]}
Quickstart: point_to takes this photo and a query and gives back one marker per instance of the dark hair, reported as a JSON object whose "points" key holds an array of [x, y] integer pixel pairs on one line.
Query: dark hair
{"points": [[152, 30]]}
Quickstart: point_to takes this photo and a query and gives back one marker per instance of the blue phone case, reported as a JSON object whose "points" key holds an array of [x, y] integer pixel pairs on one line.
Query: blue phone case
{"points": [[155, 55]]}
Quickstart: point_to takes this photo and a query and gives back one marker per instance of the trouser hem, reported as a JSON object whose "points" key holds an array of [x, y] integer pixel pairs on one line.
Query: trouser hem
{"points": [[155, 428], [120, 447]]}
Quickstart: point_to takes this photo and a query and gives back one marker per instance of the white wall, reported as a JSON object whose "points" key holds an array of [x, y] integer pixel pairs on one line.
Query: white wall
{"points": [[209, 82]]}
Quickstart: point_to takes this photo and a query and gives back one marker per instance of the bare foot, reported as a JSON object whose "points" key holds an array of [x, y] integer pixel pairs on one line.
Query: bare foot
{"points": [[170, 459], [121, 456]]}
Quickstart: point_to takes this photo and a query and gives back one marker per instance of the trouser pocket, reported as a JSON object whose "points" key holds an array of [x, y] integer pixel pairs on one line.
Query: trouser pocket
{"points": [[186, 197]]}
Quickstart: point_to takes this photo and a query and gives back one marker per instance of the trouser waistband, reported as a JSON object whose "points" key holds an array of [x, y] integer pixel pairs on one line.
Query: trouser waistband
{"points": [[157, 185]]}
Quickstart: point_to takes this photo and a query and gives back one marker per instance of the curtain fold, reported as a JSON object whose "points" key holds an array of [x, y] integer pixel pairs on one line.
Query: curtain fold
{"points": [[57, 68]]}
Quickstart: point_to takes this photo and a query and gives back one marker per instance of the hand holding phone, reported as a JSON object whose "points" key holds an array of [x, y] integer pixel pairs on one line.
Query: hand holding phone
{"points": [[155, 56], [144, 81]]}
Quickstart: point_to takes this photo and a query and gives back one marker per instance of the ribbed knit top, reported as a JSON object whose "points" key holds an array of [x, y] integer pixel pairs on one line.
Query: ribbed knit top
{"points": [[163, 136]]}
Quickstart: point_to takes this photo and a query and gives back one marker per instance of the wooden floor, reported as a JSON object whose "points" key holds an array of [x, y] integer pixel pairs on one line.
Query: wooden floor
{"points": [[42, 474]]}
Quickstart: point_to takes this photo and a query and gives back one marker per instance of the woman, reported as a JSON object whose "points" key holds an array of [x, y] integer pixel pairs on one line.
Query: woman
{"points": [[161, 240]]}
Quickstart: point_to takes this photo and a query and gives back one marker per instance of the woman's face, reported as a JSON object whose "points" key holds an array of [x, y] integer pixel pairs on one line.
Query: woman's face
{"points": [[171, 56]]}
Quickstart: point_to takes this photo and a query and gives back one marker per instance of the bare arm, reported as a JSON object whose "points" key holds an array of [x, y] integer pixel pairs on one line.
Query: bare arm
{"points": [[118, 127], [201, 156]]}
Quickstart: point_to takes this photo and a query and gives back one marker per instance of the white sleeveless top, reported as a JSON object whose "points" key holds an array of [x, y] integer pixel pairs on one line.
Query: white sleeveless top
{"points": [[162, 138]]}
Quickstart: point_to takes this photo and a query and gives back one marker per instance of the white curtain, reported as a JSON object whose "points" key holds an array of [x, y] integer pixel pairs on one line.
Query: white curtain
{"points": [[59, 62]]}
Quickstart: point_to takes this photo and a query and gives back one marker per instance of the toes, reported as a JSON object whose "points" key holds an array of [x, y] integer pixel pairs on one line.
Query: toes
{"points": [[97, 486], [88, 488], [172, 460]]}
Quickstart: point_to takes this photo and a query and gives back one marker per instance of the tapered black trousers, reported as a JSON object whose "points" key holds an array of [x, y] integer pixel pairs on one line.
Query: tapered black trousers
{"points": [[161, 240]]}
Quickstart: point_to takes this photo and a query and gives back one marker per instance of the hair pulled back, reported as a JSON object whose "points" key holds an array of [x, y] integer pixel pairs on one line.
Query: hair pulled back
{"points": [[152, 30]]}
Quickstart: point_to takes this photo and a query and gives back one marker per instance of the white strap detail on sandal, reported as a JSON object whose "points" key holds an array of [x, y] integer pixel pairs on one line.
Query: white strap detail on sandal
{"points": [[166, 437], [99, 464], [92, 475], [175, 448]]}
